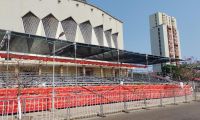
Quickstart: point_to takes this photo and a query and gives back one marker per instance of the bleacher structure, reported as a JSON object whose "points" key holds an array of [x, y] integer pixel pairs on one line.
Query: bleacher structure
{"points": [[11, 80]]}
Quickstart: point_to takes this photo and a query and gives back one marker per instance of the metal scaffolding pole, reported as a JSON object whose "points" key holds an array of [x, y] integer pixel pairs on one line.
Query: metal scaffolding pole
{"points": [[147, 64], [170, 61], [118, 62], [8, 34], [75, 55], [53, 82], [8, 37], [19, 95]]}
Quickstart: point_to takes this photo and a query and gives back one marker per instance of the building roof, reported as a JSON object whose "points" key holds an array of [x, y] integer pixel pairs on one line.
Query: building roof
{"points": [[85, 2], [82, 1], [65, 48]]}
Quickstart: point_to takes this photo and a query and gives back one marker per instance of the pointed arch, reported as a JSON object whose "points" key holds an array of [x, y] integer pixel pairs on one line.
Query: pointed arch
{"points": [[31, 23], [50, 24], [99, 34], [86, 30], [70, 27]]}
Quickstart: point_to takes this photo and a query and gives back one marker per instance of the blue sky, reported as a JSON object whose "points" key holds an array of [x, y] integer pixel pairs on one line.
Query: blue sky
{"points": [[135, 15]]}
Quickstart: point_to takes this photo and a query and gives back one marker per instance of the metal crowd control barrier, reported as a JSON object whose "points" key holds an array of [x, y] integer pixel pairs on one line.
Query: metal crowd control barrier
{"points": [[79, 105], [196, 94]]}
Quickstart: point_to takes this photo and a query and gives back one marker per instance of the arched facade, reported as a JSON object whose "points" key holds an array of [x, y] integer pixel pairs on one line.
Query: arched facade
{"points": [[80, 21]]}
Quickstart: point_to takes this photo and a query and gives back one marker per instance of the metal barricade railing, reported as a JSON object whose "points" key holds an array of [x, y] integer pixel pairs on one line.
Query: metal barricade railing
{"points": [[196, 94], [154, 98], [81, 105], [84, 106], [135, 100], [112, 103], [37, 108]]}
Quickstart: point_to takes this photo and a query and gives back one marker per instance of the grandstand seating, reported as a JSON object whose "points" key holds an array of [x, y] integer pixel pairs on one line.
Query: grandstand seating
{"points": [[36, 90], [32, 80]]}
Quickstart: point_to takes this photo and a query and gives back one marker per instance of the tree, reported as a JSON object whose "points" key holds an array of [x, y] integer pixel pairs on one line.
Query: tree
{"points": [[169, 70], [183, 72]]}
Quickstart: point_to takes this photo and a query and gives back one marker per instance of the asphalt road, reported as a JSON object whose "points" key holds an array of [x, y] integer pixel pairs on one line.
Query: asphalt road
{"points": [[183, 111]]}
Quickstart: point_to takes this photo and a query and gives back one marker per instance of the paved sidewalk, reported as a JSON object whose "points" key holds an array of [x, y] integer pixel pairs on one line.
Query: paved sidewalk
{"points": [[183, 111]]}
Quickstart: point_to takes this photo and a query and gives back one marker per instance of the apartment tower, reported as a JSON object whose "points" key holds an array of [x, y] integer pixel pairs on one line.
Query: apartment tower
{"points": [[164, 37]]}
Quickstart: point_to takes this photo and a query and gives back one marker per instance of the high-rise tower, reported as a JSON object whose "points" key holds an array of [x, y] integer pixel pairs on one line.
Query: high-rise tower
{"points": [[164, 37]]}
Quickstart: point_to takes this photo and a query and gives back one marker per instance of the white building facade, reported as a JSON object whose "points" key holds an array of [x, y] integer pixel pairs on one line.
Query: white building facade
{"points": [[164, 37], [81, 21]]}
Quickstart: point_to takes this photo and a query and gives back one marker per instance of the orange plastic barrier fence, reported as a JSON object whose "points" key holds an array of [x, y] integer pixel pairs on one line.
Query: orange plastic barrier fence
{"points": [[36, 99]]}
